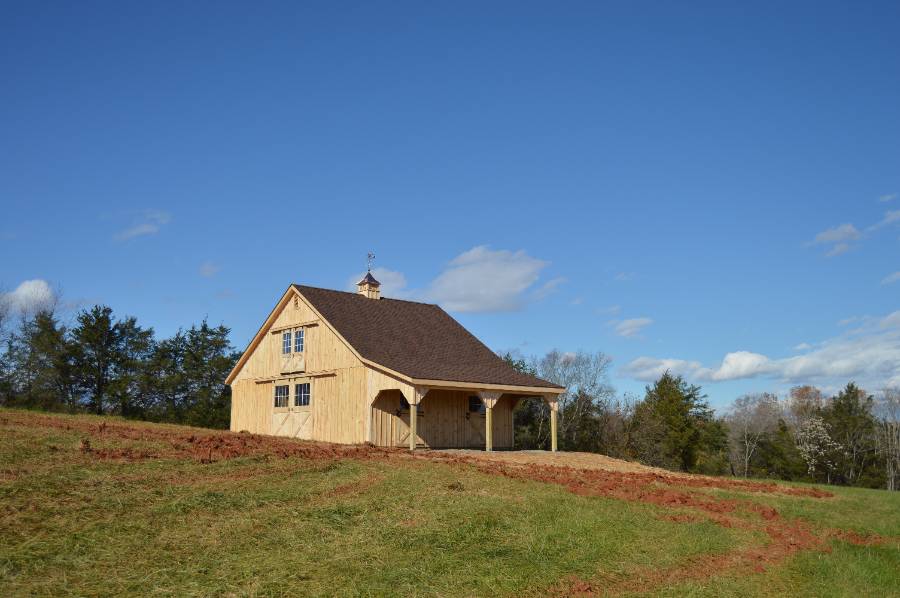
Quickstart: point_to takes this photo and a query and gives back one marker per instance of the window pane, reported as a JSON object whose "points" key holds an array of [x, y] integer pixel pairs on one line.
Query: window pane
{"points": [[298, 340], [281, 396], [301, 394], [286, 342], [476, 405]]}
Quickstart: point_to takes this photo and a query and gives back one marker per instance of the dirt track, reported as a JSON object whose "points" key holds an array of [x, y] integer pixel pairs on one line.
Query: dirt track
{"points": [[580, 473]]}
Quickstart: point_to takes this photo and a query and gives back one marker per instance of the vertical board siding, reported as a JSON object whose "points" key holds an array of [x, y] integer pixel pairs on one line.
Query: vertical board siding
{"points": [[252, 407], [351, 402], [445, 421]]}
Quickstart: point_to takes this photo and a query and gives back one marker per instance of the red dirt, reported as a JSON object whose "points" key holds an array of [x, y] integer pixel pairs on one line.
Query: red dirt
{"points": [[633, 483]]}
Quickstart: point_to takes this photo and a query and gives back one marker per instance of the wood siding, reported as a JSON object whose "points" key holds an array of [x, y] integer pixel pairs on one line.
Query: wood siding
{"points": [[444, 421], [343, 390]]}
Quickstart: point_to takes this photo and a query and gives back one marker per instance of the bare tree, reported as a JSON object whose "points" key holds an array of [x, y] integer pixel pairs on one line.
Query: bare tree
{"points": [[751, 419], [804, 402], [583, 375], [888, 435]]}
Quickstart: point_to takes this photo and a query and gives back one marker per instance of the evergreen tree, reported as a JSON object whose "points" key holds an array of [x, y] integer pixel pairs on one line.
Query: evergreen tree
{"points": [[851, 425], [671, 419], [208, 359]]}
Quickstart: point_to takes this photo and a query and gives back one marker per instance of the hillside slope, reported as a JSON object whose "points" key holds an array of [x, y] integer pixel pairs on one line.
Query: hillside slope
{"points": [[99, 506]]}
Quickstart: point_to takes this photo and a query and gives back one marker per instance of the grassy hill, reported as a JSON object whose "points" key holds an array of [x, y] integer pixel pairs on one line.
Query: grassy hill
{"points": [[101, 506]]}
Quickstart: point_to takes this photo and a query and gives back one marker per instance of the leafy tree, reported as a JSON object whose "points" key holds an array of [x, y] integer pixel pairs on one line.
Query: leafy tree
{"points": [[671, 417], [777, 455], [168, 388], [134, 345], [39, 359], [888, 437], [108, 357], [852, 426], [208, 358], [816, 447]]}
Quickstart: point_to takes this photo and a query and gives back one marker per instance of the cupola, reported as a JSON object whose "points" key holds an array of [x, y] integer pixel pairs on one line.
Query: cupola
{"points": [[368, 286]]}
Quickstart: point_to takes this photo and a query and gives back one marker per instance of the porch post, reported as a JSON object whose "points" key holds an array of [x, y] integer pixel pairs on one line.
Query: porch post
{"points": [[417, 394], [553, 402], [489, 398]]}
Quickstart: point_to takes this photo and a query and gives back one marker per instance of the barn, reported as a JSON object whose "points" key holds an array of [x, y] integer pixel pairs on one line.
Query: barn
{"points": [[356, 367]]}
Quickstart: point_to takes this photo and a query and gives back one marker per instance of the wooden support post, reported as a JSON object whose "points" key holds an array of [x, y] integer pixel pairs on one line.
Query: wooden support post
{"points": [[489, 429], [418, 393], [553, 402], [413, 416], [489, 398], [553, 430]]}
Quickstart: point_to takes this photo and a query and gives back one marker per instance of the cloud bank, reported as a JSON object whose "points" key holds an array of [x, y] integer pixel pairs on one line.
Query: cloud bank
{"points": [[870, 354]]}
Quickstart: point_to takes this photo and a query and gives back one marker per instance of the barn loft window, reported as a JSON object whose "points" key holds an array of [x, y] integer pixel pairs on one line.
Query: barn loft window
{"points": [[281, 395], [298, 340], [476, 405], [286, 342], [301, 394]]}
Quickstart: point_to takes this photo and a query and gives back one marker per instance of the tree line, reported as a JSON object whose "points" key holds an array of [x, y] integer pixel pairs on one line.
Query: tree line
{"points": [[848, 439], [104, 364], [108, 365]]}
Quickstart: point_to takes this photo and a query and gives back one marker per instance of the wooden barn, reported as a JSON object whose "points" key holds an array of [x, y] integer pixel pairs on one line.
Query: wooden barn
{"points": [[353, 368]]}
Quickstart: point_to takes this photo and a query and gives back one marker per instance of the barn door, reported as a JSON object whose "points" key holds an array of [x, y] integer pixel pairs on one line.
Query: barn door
{"points": [[475, 429], [403, 428]]}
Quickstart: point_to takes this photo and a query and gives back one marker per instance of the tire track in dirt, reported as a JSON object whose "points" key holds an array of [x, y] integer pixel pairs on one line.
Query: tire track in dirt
{"points": [[676, 491]]}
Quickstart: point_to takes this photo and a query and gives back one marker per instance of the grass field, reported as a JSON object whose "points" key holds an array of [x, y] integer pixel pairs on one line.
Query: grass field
{"points": [[100, 506]]}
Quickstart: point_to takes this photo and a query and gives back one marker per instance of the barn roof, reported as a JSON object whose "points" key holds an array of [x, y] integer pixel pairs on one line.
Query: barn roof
{"points": [[419, 340]]}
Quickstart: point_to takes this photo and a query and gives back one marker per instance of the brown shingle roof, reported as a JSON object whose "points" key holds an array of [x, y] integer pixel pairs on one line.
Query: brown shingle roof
{"points": [[419, 340]]}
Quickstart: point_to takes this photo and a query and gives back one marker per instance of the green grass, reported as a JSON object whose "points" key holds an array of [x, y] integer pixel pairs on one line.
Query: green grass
{"points": [[73, 524]]}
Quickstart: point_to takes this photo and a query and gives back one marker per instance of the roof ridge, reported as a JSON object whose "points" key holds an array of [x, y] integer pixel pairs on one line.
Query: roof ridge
{"points": [[309, 286]]}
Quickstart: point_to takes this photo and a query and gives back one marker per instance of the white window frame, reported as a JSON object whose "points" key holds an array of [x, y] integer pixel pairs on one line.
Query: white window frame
{"points": [[299, 395], [299, 340], [286, 342], [285, 395]]}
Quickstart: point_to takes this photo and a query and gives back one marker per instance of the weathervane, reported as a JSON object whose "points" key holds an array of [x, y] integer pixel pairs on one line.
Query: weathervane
{"points": [[369, 259]]}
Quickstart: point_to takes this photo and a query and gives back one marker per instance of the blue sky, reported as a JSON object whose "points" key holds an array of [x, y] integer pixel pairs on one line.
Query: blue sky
{"points": [[708, 188]]}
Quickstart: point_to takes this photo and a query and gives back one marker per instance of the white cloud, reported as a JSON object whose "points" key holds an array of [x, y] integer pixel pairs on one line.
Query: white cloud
{"points": [[612, 310], [891, 278], [29, 297], [890, 217], [887, 197], [648, 369], [838, 249], [150, 223], [838, 237], [549, 287], [737, 365], [848, 321], [478, 280], [209, 269], [632, 326], [393, 283], [577, 301], [891, 320], [844, 232], [623, 276], [803, 347], [484, 280], [869, 355]]}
